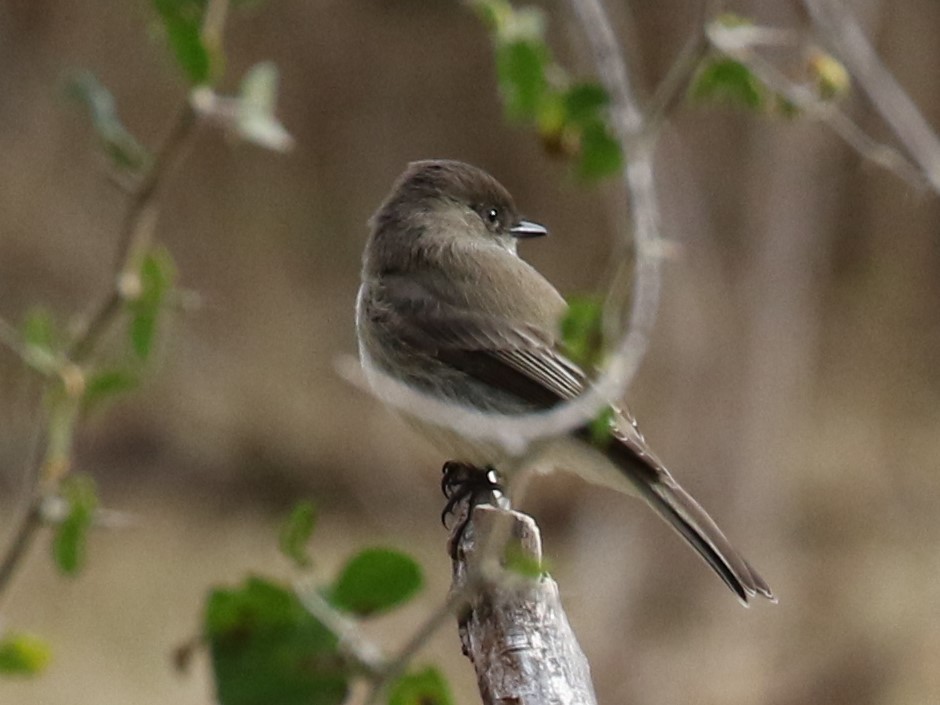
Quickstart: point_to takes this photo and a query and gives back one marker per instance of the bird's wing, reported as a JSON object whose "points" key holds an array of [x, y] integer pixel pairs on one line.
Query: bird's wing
{"points": [[507, 355]]}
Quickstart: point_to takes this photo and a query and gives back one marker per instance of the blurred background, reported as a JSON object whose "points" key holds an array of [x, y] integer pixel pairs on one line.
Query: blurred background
{"points": [[792, 383]]}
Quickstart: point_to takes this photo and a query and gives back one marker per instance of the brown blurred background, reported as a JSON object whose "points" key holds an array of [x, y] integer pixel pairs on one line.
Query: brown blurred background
{"points": [[792, 383]]}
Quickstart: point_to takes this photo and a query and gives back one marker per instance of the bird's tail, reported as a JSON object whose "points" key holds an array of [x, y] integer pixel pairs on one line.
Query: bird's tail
{"points": [[653, 483]]}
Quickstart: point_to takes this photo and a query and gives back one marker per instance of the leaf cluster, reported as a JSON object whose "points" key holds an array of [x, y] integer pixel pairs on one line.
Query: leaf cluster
{"points": [[266, 646], [569, 116], [78, 375], [726, 76]]}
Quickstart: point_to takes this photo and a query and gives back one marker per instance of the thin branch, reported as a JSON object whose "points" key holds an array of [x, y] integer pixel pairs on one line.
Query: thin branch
{"points": [[136, 233], [418, 640], [366, 654], [840, 27], [19, 546], [133, 239], [672, 90], [727, 40]]}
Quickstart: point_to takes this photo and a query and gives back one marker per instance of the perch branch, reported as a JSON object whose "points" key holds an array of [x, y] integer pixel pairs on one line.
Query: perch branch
{"points": [[513, 628]]}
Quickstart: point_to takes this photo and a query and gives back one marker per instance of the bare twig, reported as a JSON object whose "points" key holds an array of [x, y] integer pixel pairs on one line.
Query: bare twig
{"points": [[136, 233], [19, 545], [728, 41], [672, 89], [213, 24], [399, 662], [841, 29]]}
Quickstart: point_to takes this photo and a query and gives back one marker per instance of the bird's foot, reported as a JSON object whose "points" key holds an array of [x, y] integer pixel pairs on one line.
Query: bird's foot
{"points": [[464, 482]]}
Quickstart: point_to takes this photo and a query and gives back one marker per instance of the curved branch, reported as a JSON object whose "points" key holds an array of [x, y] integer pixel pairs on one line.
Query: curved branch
{"points": [[517, 432]]}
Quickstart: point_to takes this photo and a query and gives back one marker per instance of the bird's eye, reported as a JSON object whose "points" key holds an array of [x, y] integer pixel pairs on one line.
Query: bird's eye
{"points": [[492, 215]]}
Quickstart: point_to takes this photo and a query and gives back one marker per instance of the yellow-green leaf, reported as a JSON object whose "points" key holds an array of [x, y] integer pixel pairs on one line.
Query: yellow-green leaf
{"points": [[832, 78], [23, 654], [296, 532], [157, 275]]}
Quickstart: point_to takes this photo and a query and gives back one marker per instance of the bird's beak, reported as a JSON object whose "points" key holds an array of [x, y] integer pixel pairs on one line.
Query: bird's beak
{"points": [[525, 229]]}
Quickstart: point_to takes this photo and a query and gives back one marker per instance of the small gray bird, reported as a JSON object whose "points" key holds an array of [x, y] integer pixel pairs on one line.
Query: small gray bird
{"points": [[447, 307]]}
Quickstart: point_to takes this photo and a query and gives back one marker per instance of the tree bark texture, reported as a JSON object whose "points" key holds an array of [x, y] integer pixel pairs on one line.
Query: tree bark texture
{"points": [[514, 629]]}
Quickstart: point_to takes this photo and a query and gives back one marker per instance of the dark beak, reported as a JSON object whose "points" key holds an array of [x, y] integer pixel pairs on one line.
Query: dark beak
{"points": [[525, 229]]}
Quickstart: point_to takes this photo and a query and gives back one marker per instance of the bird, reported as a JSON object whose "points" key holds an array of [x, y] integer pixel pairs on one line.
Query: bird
{"points": [[447, 307]]}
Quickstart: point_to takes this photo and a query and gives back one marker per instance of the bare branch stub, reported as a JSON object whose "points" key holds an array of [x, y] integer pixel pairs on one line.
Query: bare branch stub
{"points": [[514, 628]]}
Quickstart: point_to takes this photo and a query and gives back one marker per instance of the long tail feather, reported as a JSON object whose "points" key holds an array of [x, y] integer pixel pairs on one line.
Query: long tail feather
{"points": [[654, 484]]}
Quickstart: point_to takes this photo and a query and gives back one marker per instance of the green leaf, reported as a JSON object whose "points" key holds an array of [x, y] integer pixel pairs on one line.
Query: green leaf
{"points": [[266, 648], [426, 687], [103, 384], [601, 427], [720, 78], [182, 21], [375, 580], [157, 274], [23, 655], [296, 532], [520, 67], [69, 543], [584, 102], [601, 154], [120, 145], [255, 120], [582, 332], [551, 121]]}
